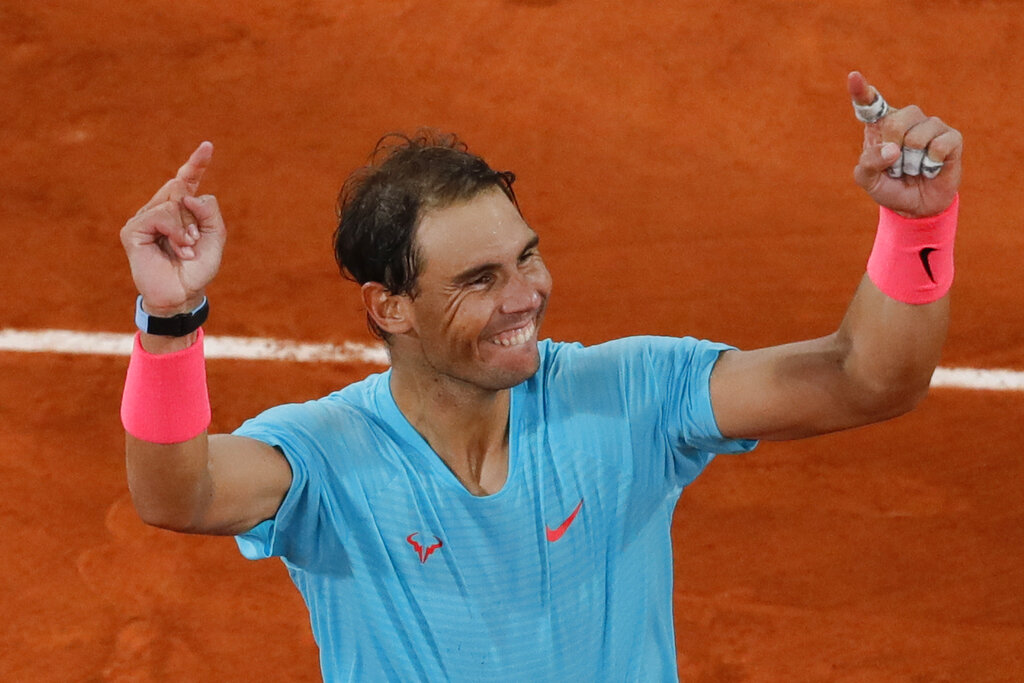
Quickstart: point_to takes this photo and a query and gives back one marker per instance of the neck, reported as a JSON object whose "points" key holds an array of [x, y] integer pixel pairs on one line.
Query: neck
{"points": [[466, 426]]}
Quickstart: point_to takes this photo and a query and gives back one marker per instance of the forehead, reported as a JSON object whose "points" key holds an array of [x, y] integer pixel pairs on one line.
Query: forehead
{"points": [[486, 228]]}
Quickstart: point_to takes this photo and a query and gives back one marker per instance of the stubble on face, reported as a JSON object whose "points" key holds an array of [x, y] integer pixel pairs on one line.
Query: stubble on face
{"points": [[481, 293]]}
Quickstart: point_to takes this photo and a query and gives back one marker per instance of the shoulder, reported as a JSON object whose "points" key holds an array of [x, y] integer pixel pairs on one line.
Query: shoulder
{"points": [[342, 441], [348, 411], [623, 352], [644, 368]]}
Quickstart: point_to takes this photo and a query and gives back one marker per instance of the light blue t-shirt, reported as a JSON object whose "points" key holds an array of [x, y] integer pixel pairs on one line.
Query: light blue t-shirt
{"points": [[563, 575]]}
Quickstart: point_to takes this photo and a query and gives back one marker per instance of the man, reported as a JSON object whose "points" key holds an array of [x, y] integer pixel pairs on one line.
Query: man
{"points": [[497, 507]]}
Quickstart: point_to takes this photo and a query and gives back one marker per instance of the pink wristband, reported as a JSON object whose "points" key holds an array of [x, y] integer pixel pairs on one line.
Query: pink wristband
{"points": [[165, 396], [912, 260]]}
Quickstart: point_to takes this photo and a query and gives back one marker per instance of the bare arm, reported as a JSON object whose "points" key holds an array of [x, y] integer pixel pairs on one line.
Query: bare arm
{"points": [[879, 363], [876, 366], [216, 484]]}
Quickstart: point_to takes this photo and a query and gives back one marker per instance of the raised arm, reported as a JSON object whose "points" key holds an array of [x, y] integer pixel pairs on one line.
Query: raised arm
{"points": [[179, 477], [879, 363]]}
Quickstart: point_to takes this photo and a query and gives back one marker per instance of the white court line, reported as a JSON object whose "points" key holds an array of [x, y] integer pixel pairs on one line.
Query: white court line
{"points": [[242, 348], [974, 378], [254, 348]]}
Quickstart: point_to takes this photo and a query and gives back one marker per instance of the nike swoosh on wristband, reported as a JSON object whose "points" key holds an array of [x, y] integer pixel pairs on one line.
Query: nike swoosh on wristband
{"points": [[924, 254], [555, 534]]}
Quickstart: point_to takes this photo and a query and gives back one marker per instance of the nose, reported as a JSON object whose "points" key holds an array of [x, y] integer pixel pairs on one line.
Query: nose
{"points": [[522, 295]]}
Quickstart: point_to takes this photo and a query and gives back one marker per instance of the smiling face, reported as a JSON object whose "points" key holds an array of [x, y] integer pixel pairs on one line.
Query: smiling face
{"points": [[480, 295]]}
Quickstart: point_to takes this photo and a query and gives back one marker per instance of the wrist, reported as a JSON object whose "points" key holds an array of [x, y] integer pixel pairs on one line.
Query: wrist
{"points": [[158, 344], [915, 216], [169, 311], [165, 396], [912, 258], [180, 324]]}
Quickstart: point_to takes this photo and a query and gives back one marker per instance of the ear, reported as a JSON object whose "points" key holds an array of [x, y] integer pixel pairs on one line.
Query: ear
{"points": [[390, 311]]}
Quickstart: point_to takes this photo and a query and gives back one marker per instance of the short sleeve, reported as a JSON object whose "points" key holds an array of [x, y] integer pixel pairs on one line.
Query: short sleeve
{"points": [[662, 386], [687, 365], [291, 532], [680, 370]]}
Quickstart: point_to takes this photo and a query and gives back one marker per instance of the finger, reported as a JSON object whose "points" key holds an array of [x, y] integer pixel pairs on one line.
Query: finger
{"points": [[868, 104], [161, 225], [207, 212], [165, 193], [184, 252], [189, 220], [173, 237], [899, 122], [874, 161], [943, 150], [923, 132], [884, 157], [947, 147], [191, 172], [174, 190], [915, 141], [861, 92], [893, 129], [186, 180]]}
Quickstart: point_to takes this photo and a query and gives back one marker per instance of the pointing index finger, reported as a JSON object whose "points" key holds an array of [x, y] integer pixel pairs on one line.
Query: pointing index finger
{"points": [[191, 172], [862, 92], [868, 104]]}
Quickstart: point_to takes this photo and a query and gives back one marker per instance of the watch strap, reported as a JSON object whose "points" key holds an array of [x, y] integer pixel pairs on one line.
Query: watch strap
{"points": [[176, 326]]}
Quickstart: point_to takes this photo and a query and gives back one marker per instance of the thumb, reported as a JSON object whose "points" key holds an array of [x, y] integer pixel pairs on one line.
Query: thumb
{"points": [[888, 152], [874, 161]]}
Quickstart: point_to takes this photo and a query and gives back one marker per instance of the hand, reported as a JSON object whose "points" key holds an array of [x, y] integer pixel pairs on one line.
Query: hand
{"points": [[913, 196], [174, 243]]}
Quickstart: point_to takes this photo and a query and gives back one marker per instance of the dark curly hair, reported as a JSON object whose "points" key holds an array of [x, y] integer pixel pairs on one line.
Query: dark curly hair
{"points": [[381, 204]]}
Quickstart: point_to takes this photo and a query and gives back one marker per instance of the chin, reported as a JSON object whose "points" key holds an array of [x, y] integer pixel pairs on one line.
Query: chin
{"points": [[505, 375]]}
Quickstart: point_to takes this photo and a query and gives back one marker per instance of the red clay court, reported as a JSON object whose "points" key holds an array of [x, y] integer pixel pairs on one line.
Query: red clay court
{"points": [[688, 167]]}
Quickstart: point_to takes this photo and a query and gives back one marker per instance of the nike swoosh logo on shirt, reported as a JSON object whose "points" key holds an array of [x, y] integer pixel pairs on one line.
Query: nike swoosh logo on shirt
{"points": [[555, 534]]}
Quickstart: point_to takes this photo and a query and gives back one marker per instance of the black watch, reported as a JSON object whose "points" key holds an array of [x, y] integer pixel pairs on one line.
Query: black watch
{"points": [[175, 326]]}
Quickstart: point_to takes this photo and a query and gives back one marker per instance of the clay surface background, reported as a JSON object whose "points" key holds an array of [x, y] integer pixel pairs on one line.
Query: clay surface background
{"points": [[688, 167]]}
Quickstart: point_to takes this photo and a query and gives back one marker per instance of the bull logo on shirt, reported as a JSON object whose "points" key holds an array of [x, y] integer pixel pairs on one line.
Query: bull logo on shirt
{"points": [[423, 553]]}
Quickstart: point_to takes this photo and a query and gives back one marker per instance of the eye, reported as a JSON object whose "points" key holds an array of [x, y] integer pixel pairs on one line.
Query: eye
{"points": [[482, 280], [528, 255]]}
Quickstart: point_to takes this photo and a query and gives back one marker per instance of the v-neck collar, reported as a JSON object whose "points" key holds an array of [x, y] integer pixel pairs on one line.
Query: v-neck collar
{"points": [[396, 419]]}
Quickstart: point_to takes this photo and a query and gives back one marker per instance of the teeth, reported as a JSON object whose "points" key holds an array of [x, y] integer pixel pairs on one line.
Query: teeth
{"points": [[520, 336]]}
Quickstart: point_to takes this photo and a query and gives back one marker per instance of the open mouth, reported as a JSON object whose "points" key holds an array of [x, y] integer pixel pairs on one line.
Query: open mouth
{"points": [[517, 336]]}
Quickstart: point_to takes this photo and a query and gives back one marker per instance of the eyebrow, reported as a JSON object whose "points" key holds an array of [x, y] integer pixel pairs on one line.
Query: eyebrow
{"points": [[474, 271]]}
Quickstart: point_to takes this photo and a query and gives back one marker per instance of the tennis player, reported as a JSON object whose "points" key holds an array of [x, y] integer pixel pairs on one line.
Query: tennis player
{"points": [[496, 506]]}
